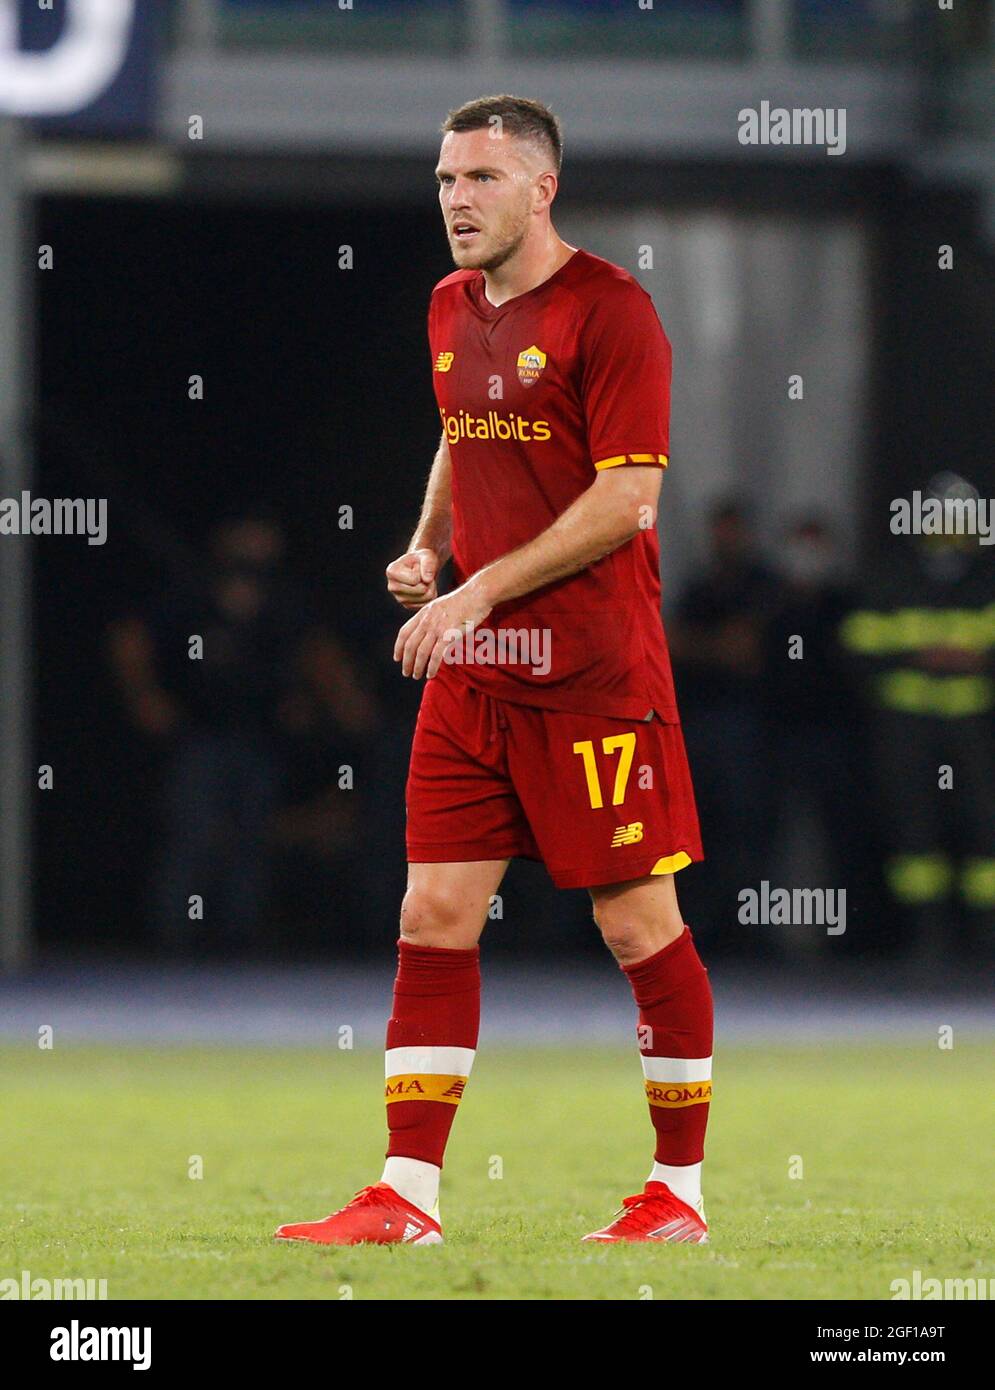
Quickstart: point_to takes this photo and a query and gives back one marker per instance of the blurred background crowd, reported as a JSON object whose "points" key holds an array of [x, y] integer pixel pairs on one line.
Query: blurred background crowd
{"points": [[283, 252], [819, 711]]}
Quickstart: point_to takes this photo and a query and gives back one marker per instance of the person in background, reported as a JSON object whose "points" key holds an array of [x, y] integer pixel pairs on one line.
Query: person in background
{"points": [[718, 647], [815, 753], [922, 637], [235, 675]]}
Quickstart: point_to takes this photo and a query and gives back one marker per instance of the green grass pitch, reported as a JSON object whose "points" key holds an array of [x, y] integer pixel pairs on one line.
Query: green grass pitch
{"points": [[893, 1141]]}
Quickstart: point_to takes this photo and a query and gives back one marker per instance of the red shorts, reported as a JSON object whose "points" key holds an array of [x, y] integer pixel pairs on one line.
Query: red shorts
{"points": [[597, 799]]}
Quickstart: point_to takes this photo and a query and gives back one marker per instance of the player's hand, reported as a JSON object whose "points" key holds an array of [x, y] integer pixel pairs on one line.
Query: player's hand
{"points": [[424, 639], [412, 578]]}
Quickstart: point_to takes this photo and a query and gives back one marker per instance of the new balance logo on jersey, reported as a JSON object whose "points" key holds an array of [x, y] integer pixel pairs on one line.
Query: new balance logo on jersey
{"points": [[627, 834], [444, 361]]}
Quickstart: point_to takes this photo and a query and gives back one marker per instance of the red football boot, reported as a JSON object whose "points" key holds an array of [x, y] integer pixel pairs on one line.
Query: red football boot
{"points": [[377, 1215], [656, 1214]]}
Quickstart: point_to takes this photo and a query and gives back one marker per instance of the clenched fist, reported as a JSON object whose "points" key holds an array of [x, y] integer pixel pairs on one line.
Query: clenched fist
{"points": [[412, 578]]}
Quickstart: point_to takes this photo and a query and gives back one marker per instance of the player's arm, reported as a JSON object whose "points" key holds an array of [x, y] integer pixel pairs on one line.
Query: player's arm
{"points": [[435, 525], [619, 504], [412, 577]]}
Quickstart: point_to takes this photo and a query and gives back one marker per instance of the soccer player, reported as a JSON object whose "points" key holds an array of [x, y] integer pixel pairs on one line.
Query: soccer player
{"points": [[548, 727]]}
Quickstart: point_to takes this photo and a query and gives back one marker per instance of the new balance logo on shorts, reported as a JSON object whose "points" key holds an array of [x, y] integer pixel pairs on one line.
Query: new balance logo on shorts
{"points": [[628, 834]]}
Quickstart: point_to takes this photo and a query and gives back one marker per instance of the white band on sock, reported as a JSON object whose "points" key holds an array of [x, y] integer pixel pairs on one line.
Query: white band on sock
{"points": [[684, 1180], [428, 1061], [416, 1180], [676, 1069]]}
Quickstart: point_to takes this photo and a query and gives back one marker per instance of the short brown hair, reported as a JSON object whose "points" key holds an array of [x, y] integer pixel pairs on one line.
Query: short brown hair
{"points": [[526, 119]]}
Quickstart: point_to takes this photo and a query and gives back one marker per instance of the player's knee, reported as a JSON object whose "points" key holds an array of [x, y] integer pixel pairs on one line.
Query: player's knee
{"points": [[632, 935], [620, 931], [433, 917]]}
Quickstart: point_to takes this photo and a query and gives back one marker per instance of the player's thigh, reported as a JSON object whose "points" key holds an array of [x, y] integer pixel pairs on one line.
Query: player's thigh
{"points": [[608, 801], [461, 805], [447, 904]]}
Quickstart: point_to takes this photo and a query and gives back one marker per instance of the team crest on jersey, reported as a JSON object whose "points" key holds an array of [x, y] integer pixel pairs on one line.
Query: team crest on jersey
{"points": [[531, 361]]}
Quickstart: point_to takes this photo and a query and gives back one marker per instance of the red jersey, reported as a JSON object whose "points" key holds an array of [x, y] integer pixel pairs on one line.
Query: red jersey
{"points": [[535, 396]]}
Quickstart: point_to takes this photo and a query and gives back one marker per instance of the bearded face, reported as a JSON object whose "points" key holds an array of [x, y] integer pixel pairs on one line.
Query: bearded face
{"points": [[486, 196]]}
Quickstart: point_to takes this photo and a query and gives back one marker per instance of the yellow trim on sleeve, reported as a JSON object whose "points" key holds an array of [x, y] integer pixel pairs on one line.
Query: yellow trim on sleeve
{"points": [[632, 458], [670, 863]]}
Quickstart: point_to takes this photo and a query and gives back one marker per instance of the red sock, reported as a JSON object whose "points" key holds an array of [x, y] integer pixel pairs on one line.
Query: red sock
{"points": [[674, 997], [431, 1041]]}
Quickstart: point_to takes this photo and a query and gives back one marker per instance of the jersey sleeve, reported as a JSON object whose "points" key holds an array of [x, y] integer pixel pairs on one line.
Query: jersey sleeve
{"points": [[625, 379]]}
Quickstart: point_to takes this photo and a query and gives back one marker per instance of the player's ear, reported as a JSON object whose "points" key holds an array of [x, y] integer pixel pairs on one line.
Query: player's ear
{"points": [[546, 186]]}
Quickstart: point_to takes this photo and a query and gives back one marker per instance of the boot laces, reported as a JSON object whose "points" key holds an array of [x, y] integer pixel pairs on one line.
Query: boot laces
{"points": [[368, 1196], [644, 1209]]}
